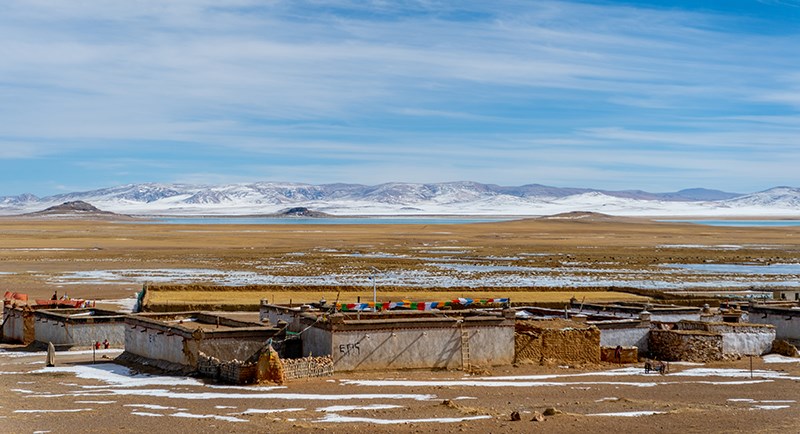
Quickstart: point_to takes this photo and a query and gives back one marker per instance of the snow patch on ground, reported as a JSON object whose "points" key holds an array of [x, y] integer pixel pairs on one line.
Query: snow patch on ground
{"points": [[144, 413], [119, 376], [269, 410], [72, 410], [769, 407], [208, 416], [152, 407], [629, 413], [777, 358], [335, 418]]}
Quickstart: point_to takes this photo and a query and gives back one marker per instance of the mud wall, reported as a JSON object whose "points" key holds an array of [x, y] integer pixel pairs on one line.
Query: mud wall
{"points": [[627, 355], [18, 326], [685, 345], [533, 344]]}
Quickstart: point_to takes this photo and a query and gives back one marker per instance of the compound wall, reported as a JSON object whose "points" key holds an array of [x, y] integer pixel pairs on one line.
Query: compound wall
{"points": [[632, 333], [18, 325], [79, 327], [537, 343], [737, 339], [685, 345], [786, 321]]}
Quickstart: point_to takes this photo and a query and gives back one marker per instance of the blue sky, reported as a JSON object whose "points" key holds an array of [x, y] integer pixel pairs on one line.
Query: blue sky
{"points": [[653, 95]]}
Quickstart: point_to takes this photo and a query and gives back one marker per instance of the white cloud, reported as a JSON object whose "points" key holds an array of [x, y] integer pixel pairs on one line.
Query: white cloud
{"points": [[389, 90]]}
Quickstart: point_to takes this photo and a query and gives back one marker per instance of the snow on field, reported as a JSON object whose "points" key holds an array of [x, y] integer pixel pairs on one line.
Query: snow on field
{"points": [[700, 246], [119, 376], [758, 376], [443, 274]]}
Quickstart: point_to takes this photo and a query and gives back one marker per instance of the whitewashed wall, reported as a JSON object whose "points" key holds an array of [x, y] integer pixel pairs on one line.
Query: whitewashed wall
{"points": [[626, 337]]}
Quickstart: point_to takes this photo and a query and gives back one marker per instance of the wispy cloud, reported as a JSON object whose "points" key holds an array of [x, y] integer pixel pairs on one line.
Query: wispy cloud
{"points": [[507, 92]]}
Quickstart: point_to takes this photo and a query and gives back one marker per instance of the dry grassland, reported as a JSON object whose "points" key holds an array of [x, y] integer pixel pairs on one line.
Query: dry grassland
{"points": [[282, 297], [37, 253]]}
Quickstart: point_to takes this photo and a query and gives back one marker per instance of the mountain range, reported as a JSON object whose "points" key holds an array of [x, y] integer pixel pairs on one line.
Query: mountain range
{"points": [[450, 198]]}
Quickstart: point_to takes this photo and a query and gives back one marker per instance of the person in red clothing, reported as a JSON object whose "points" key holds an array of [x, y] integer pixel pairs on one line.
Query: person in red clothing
{"points": [[106, 344]]}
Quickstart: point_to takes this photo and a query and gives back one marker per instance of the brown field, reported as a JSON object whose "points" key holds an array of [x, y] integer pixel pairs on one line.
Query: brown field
{"points": [[37, 254]]}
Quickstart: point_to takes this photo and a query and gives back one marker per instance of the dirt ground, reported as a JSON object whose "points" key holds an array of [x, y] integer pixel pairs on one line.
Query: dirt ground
{"points": [[38, 399]]}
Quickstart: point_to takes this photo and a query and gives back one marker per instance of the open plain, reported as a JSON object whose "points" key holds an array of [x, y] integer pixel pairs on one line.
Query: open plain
{"points": [[573, 255], [530, 260]]}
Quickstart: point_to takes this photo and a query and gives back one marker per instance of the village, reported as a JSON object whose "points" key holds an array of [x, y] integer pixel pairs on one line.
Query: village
{"points": [[288, 342]]}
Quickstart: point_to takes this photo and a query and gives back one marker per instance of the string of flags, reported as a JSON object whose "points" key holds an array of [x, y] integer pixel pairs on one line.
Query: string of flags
{"points": [[426, 305]]}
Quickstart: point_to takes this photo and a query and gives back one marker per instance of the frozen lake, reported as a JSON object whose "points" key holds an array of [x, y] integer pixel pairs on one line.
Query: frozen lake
{"points": [[321, 221]]}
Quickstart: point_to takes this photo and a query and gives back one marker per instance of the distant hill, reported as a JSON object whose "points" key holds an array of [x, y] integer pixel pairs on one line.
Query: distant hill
{"points": [[402, 199], [74, 209], [302, 212]]}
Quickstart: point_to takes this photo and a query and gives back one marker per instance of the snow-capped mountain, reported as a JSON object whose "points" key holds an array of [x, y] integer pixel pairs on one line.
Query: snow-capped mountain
{"points": [[457, 198]]}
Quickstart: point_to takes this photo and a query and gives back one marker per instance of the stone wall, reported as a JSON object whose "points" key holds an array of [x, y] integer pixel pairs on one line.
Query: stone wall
{"points": [[307, 367], [685, 345], [546, 342], [738, 339]]}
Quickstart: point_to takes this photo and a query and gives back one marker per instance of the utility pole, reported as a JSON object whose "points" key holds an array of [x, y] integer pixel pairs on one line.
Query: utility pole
{"points": [[374, 288]]}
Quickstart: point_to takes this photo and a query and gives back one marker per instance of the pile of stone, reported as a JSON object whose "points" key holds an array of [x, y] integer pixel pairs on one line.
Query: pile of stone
{"points": [[208, 366], [237, 372], [308, 367], [685, 345]]}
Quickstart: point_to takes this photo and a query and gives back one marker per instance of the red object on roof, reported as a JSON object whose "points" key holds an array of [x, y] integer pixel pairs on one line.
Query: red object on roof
{"points": [[61, 303]]}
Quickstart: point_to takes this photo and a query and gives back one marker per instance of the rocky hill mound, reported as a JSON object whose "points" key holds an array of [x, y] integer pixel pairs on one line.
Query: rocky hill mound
{"points": [[301, 212], [76, 208]]}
